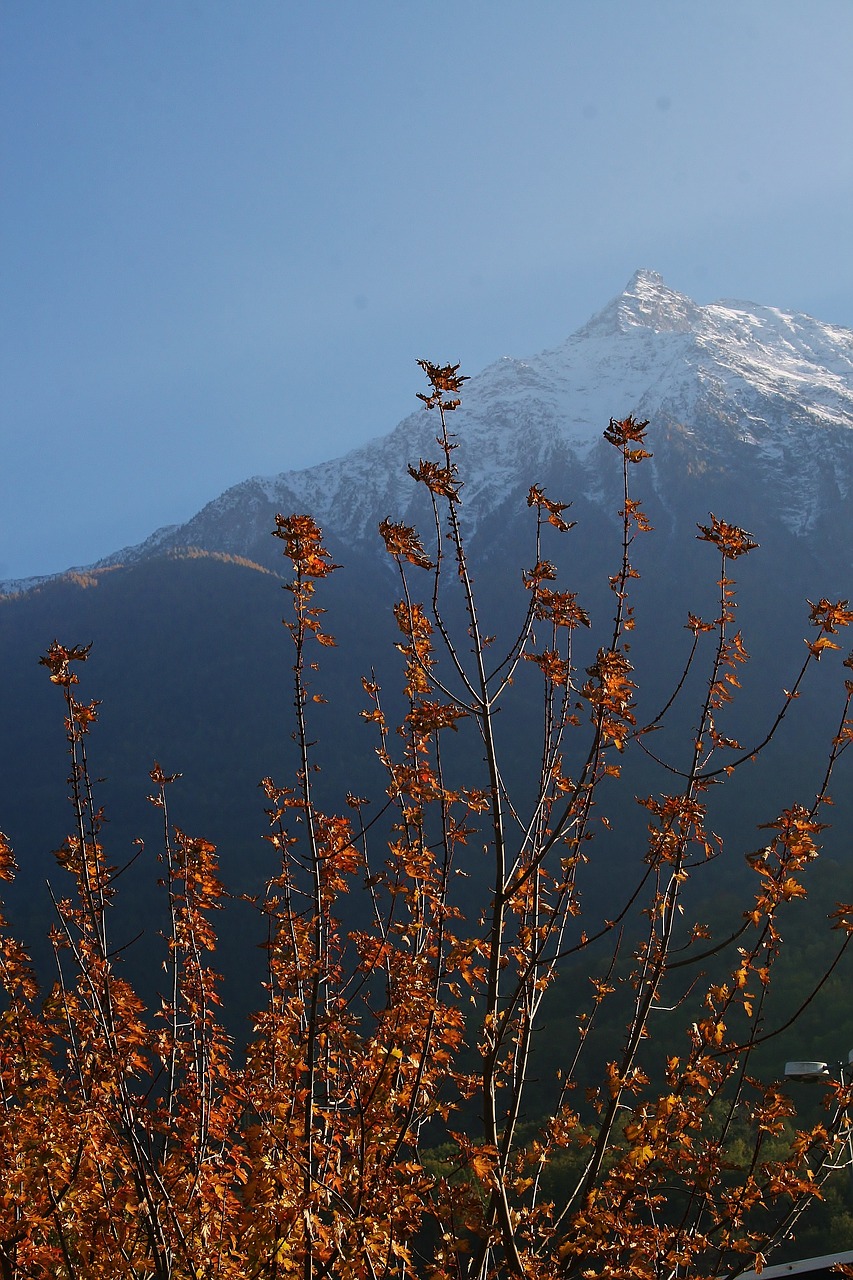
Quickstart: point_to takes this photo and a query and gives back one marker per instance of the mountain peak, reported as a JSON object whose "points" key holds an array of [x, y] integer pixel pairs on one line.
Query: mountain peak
{"points": [[733, 389], [647, 302]]}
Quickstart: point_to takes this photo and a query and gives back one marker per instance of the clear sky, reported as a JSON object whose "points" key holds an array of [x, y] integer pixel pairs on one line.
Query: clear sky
{"points": [[229, 227]]}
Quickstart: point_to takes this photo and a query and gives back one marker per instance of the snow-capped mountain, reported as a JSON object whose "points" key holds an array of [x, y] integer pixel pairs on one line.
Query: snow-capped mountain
{"points": [[751, 417], [744, 396]]}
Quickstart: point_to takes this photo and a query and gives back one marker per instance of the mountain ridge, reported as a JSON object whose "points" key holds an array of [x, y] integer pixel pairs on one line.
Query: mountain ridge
{"points": [[189, 659], [730, 385]]}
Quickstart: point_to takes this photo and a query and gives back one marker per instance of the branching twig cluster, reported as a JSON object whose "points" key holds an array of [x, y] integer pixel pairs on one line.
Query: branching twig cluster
{"points": [[381, 1123]]}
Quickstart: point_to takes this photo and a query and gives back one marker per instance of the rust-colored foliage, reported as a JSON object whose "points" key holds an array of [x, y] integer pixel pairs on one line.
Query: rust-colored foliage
{"points": [[728, 538], [380, 1124]]}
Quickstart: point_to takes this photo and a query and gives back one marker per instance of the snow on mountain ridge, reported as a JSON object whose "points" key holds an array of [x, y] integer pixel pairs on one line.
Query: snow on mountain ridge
{"points": [[758, 374], [775, 350], [724, 376], [647, 302]]}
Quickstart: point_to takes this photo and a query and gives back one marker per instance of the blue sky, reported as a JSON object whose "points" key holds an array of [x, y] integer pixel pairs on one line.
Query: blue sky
{"points": [[229, 228]]}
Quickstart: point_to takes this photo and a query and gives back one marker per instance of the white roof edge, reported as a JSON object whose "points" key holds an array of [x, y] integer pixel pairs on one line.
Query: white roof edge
{"points": [[799, 1266]]}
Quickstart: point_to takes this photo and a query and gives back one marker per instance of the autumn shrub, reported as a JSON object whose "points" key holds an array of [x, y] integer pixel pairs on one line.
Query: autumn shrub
{"points": [[380, 1121]]}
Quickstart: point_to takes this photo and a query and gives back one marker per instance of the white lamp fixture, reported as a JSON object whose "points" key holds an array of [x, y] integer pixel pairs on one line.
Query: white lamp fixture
{"points": [[807, 1072]]}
